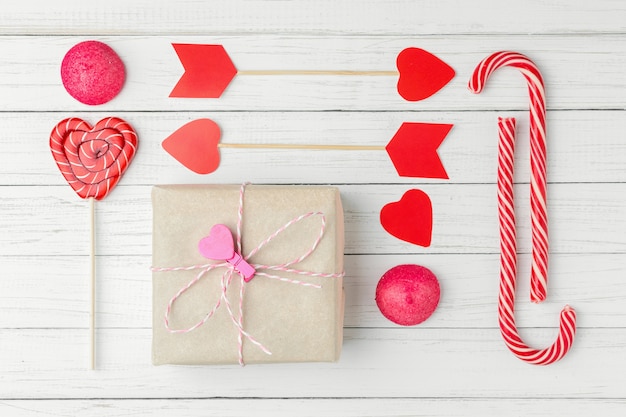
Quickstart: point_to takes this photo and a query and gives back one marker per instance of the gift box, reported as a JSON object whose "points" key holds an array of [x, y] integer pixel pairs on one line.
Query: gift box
{"points": [[286, 317]]}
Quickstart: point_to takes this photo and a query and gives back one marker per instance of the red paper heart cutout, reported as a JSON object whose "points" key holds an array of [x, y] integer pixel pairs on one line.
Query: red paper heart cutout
{"points": [[93, 159], [195, 145], [410, 219], [422, 74]]}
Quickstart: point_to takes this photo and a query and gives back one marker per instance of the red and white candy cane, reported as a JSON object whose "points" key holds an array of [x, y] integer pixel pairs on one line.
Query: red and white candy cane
{"points": [[506, 212]]}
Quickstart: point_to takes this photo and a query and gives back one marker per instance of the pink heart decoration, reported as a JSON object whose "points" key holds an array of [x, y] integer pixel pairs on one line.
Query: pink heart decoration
{"points": [[218, 244], [410, 219], [195, 145], [422, 74], [93, 159]]}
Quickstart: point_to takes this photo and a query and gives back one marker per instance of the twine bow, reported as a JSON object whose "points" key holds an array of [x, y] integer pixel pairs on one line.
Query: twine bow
{"points": [[235, 263]]}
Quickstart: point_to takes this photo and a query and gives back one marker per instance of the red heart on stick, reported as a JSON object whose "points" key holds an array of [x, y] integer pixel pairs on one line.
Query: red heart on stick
{"points": [[195, 145], [422, 74], [93, 159], [410, 219]]}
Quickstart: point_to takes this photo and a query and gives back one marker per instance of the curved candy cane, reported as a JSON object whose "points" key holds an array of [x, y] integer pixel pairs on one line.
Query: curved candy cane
{"points": [[506, 212]]}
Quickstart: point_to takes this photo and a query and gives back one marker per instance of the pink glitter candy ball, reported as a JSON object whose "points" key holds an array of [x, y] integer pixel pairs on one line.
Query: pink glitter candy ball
{"points": [[92, 72], [407, 294]]}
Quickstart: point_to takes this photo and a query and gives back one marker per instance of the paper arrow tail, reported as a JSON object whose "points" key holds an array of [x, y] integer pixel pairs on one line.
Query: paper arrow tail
{"points": [[208, 71], [413, 150]]}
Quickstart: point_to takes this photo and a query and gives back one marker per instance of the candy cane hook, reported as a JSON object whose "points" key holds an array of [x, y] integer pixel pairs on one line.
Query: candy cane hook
{"points": [[506, 212]]}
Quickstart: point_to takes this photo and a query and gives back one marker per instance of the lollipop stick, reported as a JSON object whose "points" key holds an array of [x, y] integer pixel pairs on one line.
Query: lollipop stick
{"points": [[92, 258]]}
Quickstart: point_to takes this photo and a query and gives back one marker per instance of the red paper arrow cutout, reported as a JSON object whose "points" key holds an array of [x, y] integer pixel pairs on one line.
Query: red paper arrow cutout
{"points": [[209, 70], [413, 149]]}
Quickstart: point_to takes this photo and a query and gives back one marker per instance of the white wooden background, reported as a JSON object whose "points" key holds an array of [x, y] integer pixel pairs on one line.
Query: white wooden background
{"points": [[454, 364]]}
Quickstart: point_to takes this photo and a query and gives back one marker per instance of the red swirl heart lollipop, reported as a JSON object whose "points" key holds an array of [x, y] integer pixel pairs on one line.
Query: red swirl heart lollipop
{"points": [[92, 159]]}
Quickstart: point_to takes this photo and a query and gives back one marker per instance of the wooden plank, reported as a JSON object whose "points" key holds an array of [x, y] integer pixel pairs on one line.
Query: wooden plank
{"points": [[415, 363], [352, 407], [584, 218], [455, 363], [52, 291], [469, 153], [312, 16], [31, 77]]}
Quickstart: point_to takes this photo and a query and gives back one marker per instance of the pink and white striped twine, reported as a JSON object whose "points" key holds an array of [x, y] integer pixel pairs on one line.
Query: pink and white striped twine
{"points": [[227, 276], [506, 212]]}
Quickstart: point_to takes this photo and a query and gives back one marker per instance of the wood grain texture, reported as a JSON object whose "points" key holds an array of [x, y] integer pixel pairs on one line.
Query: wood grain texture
{"points": [[585, 218], [453, 364], [573, 81], [329, 17], [583, 147], [350, 407], [371, 359], [58, 289]]}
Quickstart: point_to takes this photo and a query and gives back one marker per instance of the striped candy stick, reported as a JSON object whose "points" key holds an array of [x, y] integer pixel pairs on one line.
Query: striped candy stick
{"points": [[508, 266], [538, 279], [506, 212]]}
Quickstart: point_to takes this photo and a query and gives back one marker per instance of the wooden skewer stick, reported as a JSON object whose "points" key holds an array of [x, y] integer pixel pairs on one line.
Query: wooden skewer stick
{"points": [[92, 258], [317, 72], [305, 146]]}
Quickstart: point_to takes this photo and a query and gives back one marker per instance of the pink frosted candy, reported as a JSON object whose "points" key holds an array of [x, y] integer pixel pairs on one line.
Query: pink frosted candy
{"points": [[407, 294], [92, 72]]}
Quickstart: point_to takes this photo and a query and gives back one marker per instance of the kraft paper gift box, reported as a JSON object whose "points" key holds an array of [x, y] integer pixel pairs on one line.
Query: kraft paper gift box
{"points": [[295, 323]]}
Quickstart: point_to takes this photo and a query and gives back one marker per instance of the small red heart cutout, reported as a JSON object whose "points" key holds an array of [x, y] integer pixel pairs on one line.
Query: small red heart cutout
{"points": [[93, 159], [195, 145], [410, 219], [422, 74]]}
